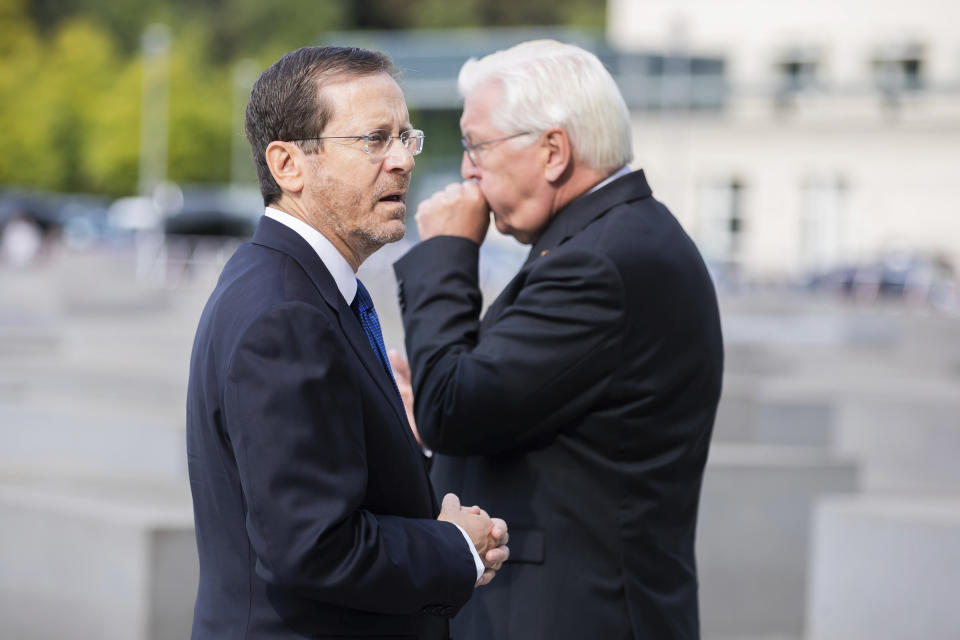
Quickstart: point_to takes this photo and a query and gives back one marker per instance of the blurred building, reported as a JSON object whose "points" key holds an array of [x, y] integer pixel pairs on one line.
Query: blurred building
{"points": [[834, 140]]}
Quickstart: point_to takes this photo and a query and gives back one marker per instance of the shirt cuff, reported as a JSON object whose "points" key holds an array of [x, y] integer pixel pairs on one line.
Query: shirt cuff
{"points": [[473, 550]]}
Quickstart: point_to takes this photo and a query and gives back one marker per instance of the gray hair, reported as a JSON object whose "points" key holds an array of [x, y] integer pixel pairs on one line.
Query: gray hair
{"points": [[550, 84]]}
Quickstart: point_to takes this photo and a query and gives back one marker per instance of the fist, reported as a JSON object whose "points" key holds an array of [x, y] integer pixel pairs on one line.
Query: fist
{"points": [[459, 210]]}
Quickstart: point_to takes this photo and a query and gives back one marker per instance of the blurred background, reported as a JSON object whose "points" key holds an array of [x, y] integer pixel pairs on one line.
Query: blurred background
{"points": [[808, 148]]}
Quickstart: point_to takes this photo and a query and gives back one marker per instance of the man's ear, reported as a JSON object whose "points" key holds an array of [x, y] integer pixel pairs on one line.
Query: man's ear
{"points": [[287, 163], [558, 154]]}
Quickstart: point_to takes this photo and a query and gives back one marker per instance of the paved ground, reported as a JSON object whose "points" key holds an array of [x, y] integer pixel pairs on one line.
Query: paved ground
{"points": [[94, 350]]}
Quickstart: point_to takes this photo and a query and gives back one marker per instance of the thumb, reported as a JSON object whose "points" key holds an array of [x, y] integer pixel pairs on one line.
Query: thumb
{"points": [[450, 503]]}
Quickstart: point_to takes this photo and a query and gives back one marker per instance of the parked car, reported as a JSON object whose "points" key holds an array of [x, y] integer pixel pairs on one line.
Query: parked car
{"points": [[80, 218], [913, 276], [215, 211]]}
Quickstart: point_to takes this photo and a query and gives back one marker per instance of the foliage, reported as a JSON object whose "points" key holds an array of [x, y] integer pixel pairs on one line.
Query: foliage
{"points": [[71, 75]]}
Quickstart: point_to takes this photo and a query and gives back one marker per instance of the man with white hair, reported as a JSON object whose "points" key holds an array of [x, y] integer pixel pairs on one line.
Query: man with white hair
{"points": [[581, 406]]}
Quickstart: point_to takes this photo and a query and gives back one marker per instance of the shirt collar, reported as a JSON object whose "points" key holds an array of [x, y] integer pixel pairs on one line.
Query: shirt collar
{"points": [[332, 259], [622, 171]]}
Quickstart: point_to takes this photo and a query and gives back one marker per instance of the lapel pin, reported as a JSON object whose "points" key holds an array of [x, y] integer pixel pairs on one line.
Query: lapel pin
{"points": [[544, 252]]}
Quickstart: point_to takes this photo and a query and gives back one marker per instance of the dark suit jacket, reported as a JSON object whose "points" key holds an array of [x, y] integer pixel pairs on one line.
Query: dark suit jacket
{"points": [[579, 410], [314, 512]]}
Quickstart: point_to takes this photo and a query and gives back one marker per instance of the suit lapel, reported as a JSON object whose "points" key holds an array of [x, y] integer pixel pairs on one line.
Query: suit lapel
{"points": [[567, 223], [361, 345], [278, 236], [583, 210]]}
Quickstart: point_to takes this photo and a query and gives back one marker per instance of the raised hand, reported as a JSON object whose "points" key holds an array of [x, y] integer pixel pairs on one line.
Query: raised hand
{"points": [[459, 210]]}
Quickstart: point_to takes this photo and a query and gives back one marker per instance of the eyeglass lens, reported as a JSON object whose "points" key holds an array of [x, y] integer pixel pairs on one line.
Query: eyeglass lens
{"points": [[378, 142]]}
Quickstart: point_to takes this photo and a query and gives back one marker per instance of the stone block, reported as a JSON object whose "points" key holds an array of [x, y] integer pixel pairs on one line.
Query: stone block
{"points": [[753, 534], [755, 411], [885, 568], [96, 565], [89, 443], [905, 442]]}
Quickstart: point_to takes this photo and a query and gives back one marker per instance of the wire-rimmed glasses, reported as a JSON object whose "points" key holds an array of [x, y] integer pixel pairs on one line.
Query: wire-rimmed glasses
{"points": [[377, 143], [471, 147]]}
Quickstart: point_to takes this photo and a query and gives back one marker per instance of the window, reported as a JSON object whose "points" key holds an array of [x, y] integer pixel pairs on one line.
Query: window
{"points": [[720, 228], [797, 70], [823, 232], [899, 69]]}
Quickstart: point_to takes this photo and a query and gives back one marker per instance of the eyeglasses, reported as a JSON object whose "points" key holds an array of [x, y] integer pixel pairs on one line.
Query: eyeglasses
{"points": [[470, 148], [377, 143]]}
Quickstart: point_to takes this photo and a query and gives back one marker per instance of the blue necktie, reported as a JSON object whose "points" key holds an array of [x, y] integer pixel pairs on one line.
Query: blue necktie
{"points": [[362, 306]]}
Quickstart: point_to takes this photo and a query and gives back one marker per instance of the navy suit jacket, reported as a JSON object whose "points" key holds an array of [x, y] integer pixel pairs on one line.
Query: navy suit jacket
{"points": [[314, 512], [579, 410]]}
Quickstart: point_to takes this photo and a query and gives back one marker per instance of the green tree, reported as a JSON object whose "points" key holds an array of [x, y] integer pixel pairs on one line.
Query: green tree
{"points": [[245, 28], [71, 75], [50, 93], [80, 67], [20, 61], [112, 157], [200, 99]]}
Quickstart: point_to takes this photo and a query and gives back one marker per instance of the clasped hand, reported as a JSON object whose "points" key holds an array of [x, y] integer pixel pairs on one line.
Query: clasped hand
{"points": [[489, 535]]}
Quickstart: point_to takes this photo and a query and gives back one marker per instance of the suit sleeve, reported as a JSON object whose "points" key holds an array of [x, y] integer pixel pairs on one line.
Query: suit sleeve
{"points": [[293, 413], [539, 366]]}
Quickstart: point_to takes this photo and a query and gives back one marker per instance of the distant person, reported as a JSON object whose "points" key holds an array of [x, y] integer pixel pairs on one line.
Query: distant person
{"points": [[314, 512], [21, 240], [580, 407]]}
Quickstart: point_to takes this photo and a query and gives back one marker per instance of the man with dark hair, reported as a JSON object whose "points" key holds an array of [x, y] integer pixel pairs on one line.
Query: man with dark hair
{"points": [[314, 513]]}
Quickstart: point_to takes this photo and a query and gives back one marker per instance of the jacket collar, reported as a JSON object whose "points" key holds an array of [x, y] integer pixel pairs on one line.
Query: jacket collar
{"points": [[332, 259], [275, 235], [585, 209]]}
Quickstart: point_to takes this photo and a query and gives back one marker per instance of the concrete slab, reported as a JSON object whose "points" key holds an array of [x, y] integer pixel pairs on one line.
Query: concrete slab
{"points": [[753, 534], [752, 410], [905, 443], [884, 568], [88, 563], [71, 440]]}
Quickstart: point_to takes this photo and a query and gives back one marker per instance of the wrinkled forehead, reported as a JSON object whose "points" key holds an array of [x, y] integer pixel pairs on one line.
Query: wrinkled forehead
{"points": [[479, 109], [372, 101]]}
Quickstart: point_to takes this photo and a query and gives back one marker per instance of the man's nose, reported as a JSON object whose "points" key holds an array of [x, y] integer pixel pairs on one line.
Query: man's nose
{"points": [[399, 158], [467, 169]]}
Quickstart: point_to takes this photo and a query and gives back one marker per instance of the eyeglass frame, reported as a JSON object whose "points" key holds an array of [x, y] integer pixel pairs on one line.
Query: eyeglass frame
{"points": [[410, 133], [468, 148]]}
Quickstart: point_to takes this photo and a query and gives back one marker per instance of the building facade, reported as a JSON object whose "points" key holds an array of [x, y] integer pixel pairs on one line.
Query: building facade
{"points": [[836, 140]]}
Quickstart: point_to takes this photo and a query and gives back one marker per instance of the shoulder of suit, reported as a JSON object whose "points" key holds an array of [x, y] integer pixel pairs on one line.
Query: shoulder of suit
{"points": [[575, 258], [263, 281], [297, 324]]}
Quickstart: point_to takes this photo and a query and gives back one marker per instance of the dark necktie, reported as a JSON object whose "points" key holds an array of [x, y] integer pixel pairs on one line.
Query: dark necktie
{"points": [[362, 306]]}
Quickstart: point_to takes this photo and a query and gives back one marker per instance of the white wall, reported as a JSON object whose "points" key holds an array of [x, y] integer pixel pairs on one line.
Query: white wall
{"points": [[898, 164], [903, 189], [750, 33]]}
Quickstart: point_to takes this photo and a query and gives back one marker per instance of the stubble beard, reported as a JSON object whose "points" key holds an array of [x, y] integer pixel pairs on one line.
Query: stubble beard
{"points": [[355, 218], [373, 237]]}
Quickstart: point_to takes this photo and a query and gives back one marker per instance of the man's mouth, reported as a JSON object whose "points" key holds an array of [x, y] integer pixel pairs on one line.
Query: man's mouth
{"points": [[394, 196]]}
